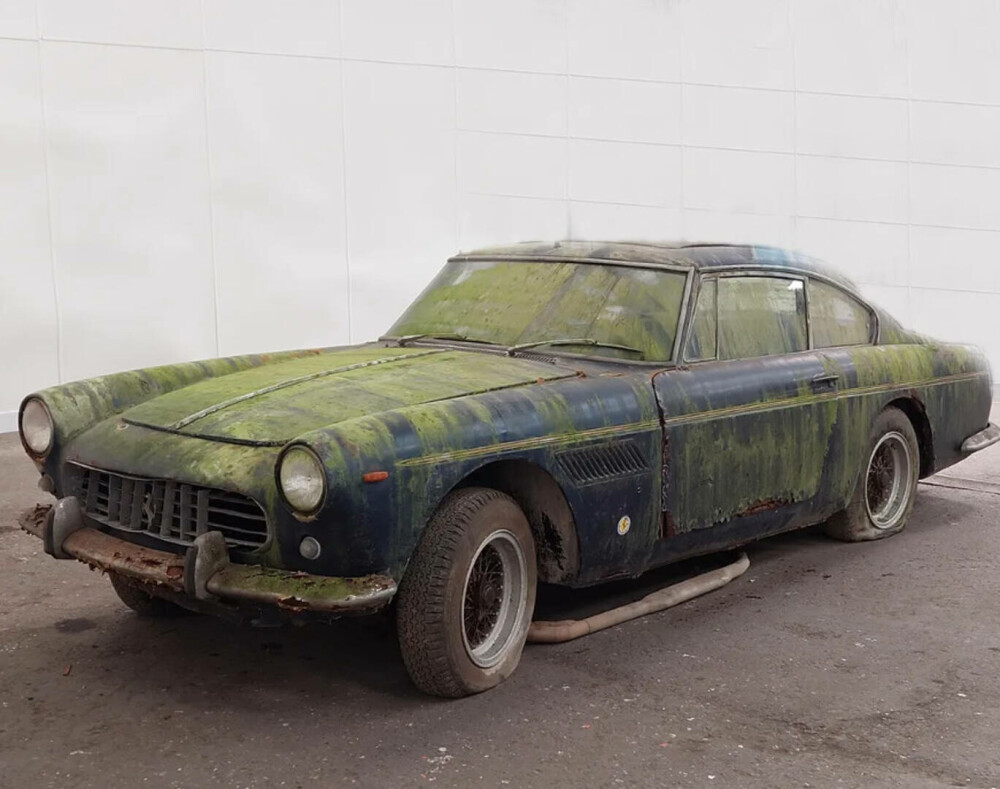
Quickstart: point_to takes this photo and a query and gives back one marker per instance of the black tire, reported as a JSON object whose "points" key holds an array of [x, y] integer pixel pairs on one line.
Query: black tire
{"points": [[143, 603], [450, 648], [866, 517]]}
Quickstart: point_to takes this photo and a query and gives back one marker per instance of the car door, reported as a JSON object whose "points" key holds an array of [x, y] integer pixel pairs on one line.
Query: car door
{"points": [[840, 329], [748, 419]]}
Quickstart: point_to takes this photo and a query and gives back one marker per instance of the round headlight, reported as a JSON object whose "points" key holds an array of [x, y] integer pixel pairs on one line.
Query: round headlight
{"points": [[36, 426], [302, 479]]}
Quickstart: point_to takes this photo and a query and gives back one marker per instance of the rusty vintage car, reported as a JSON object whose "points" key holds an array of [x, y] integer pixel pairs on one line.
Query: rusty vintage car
{"points": [[565, 412]]}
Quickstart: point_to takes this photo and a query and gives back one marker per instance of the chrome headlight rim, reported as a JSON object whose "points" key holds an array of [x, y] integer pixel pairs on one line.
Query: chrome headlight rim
{"points": [[33, 402], [320, 471]]}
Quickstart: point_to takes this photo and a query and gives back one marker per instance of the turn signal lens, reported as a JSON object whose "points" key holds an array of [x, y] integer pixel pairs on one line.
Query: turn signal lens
{"points": [[310, 548]]}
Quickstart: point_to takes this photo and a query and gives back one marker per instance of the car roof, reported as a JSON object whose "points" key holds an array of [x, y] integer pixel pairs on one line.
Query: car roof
{"points": [[701, 256]]}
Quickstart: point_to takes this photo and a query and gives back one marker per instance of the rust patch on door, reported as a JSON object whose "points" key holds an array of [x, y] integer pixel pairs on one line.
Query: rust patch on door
{"points": [[763, 505]]}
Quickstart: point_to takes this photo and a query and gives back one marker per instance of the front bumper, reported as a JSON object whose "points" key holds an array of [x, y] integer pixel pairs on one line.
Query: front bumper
{"points": [[204, 576], [984, 438]]}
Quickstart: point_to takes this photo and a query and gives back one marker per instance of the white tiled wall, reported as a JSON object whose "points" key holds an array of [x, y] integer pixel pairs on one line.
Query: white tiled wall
{"points": [[206, 177], [130, 213], [277, 200]]}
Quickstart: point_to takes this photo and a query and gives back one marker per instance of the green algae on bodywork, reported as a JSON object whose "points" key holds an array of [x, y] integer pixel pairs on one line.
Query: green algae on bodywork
{"points": [[301, 591], [171, 408], [898, 364], [428, 448], [728, 465], [79, 405], [142, 451], [351, 383], [559, 410], [802, 443]]}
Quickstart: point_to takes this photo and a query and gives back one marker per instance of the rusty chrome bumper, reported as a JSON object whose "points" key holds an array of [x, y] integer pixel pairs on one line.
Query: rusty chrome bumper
{"points": [[204, 573], [984, 438]]}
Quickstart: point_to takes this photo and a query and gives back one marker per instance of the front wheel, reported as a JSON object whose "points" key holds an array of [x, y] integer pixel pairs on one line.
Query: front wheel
{"points": [[465, 603], [887, 488]]}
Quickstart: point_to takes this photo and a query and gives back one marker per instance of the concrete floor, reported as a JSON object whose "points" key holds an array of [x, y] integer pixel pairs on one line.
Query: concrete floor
{"points": [[826, 665]]}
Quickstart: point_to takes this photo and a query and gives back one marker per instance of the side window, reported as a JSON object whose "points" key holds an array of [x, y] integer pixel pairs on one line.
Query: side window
{"points": [[761, 316], [836, 318], [702, 343]]}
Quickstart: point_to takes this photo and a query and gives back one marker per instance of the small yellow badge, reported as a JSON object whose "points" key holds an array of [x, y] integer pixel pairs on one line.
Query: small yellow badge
{"points": [[624, 525]]}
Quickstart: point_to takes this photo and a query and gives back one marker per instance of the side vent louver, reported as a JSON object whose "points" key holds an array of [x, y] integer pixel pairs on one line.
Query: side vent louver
{"points": [[601, 463]]}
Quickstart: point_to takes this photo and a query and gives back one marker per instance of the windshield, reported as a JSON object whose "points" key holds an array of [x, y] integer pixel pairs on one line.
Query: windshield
{"points": [[611, 310]]}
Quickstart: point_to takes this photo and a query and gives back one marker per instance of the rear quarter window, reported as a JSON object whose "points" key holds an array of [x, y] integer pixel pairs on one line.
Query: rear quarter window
{"points": [[836, 318]]}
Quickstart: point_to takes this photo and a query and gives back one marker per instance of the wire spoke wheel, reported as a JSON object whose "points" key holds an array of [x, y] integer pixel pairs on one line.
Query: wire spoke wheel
{"points": [[888, 481], [494, 598], [466, 600]]}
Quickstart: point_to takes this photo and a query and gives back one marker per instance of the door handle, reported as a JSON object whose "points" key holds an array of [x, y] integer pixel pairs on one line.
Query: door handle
{"points": [[825, 381]]}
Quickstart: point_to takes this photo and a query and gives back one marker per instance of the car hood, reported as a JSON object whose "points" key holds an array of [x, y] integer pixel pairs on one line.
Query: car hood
{"points": [[272, 404]]}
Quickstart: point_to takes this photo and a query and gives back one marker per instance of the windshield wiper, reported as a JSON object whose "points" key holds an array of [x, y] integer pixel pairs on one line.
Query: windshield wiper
{"points": [[577, 341], [401, 341]]}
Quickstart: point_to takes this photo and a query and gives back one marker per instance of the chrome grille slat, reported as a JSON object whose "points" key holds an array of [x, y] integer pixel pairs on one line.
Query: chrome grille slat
{"points": [[170, 511], [125, 501], [201, 512], [184, 501], [135, 509], [167, 521], [236, 530], [114, 497], [92, 489], [234, 513]]}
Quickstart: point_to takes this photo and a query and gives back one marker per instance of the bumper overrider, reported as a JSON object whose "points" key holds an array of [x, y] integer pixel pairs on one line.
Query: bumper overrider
{"points": [[203, 577], [987, 437]]}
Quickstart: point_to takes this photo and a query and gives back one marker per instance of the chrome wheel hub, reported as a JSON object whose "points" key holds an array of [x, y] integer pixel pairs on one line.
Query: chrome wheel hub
{"points": [[494, 599], [889, 481]]}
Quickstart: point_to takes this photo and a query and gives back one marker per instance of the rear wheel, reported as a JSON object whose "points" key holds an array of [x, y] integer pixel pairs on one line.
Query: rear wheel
{"points": [[143, 603], [886, 489], [465, 603]]}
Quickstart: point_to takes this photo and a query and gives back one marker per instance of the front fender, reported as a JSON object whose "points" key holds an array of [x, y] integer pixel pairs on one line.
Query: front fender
{"points": [[430, 448]]}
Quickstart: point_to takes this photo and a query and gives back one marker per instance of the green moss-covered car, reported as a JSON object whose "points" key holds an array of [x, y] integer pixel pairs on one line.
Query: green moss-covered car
{"points": [[568, 412]]}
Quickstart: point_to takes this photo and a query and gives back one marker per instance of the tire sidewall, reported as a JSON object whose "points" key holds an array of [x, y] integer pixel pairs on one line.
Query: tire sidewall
{"points": [[497, 514], [430, 602], [854, 523]]}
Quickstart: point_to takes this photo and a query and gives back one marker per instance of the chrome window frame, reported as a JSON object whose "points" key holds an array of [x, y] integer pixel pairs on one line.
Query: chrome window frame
{"points": [[803, 275]]}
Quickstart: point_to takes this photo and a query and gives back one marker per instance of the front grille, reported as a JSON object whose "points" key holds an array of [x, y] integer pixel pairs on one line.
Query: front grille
{"points": [[172, 511]]}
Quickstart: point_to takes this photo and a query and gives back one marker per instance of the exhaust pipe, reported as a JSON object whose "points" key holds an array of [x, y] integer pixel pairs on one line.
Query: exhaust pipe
{"points": [[542, 632]]}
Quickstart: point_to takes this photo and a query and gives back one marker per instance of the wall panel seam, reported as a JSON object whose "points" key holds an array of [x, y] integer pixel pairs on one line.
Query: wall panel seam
{"points": [[211, 186], [343, 160], [53, 268]]}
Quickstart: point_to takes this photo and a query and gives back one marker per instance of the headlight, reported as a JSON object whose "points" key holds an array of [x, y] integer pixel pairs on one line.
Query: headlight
{"points": [[36, 427], [302, 479]]}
